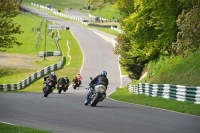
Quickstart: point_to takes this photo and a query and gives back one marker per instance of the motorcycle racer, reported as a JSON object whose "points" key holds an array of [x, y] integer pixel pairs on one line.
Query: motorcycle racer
{"points": [[98, 80], [53, 78], [79, 77]]}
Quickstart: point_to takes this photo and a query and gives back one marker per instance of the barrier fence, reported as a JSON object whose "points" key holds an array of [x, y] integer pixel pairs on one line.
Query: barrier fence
{"points": [[27, 81], [81, 20], [54, 53], [167, 91]]}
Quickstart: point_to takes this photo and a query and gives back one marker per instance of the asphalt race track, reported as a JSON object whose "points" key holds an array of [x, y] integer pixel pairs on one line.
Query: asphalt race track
{"points": [[66, 112]]}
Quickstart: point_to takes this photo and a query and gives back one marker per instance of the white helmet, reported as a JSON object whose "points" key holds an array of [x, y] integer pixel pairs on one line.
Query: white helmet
{"points": [[53, 73]]}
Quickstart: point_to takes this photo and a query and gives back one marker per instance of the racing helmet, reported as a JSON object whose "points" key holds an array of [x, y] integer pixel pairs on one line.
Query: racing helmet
{"points": [[104, 73], [53, 73]]}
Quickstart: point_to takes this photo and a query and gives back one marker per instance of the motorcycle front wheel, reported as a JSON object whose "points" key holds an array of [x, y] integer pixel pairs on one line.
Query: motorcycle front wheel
{"points": [[47, 91], [65, 88], [44, 89], [74, 86], [59, 89], [96, 99]]}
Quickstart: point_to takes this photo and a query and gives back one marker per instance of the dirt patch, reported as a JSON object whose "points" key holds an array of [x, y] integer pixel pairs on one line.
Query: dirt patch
{"points": [[18, 60], [143, 75]]}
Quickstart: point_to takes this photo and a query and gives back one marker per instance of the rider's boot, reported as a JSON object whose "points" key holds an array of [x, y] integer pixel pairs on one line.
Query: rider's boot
{"points": [[87, 98], [86, 103]]}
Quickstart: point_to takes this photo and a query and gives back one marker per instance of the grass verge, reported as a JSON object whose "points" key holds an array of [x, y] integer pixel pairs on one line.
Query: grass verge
{"points": [[6, 128], [103, 13], [33, 38], [122, 94]]}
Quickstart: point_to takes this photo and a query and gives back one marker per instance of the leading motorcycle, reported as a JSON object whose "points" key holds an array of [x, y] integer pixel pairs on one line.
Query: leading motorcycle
{"points": [[97, 94]]}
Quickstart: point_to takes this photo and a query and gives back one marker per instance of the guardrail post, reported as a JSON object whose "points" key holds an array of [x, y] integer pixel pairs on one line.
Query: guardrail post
{"points": [[154, 90], [181, 91]]}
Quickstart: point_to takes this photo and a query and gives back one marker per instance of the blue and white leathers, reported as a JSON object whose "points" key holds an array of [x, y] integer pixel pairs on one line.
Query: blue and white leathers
{"points": [[87, 95], [89, 89]]}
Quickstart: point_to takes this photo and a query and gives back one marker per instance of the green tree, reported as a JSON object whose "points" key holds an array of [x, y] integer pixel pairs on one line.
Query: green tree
{"points": [[8, 10], [125, 7], [188, 36], [149, 29]]}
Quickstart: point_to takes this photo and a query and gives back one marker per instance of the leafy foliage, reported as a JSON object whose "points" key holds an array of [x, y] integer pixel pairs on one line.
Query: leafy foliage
{"points": [[8, 10], [188, 37], [150, 29], [125, 7]]}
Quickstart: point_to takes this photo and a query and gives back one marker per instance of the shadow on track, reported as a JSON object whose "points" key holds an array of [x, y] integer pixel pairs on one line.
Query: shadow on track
{"points": [[104, 106]]}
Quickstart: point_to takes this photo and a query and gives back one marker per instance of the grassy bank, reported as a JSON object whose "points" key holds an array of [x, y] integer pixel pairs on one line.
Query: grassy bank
{"points": [[124, 95], [33, 37], [175, 70], [103, 13]]}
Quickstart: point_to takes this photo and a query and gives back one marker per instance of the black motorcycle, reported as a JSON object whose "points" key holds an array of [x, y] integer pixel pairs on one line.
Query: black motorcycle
{"points": [[62, 86], [75, 85], [48, 87], [78, 83]]}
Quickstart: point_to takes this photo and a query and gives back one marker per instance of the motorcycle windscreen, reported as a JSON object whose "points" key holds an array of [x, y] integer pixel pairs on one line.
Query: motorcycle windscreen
{"points": [[62, 81], [51, 77], [100, 88]]}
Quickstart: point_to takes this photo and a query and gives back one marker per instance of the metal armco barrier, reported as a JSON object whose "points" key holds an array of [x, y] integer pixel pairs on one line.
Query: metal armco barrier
{"points": [[22, 84], [54, 53], [167, 91]]}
